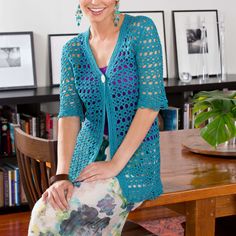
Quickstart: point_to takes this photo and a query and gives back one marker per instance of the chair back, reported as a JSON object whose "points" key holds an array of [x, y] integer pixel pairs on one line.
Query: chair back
{"points": [[37, 161]]}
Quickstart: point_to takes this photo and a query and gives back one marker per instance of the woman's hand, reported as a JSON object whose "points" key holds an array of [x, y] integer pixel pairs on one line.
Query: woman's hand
{"points": [[59, 194], [99, 170]]}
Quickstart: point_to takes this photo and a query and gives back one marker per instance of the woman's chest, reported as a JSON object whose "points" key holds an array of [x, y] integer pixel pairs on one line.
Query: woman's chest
{"points": [[102, 51], [121, 77]]}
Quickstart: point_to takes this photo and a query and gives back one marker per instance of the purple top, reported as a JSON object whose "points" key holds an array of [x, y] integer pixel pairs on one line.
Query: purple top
{"points": [[103, 70]]}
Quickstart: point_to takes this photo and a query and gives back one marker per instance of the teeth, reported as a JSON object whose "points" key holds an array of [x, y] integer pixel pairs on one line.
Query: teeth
{"points": [[96, 9]]}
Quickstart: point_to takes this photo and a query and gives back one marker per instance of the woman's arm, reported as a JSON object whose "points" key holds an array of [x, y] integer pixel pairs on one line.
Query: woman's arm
{"points": [[68, 128], [138, 129]]}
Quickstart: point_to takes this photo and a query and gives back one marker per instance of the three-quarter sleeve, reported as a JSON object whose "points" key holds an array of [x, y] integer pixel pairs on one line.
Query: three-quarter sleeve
{"points": [[70, 102], [150, 67]]}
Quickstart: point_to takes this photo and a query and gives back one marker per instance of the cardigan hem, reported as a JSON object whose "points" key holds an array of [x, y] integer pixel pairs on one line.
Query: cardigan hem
{"points": [[134, 198]]}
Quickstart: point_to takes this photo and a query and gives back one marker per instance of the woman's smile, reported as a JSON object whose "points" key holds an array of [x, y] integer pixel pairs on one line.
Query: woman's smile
{"points": [[96, 11]]}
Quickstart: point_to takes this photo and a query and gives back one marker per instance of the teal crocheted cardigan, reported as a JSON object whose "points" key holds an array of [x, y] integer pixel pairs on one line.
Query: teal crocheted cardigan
{"points": [[133, 80]]}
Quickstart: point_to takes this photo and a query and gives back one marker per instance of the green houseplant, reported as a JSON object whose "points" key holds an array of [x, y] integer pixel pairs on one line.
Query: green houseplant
{"points": [[215, 112]]}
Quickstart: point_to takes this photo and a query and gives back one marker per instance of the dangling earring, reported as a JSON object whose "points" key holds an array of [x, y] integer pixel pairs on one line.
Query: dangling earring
{"points": [[117, 14], [78, 15]]}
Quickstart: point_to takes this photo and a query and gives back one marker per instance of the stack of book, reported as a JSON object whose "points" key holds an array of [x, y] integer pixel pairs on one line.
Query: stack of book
{"points": [[44, 125], [11, 189]]}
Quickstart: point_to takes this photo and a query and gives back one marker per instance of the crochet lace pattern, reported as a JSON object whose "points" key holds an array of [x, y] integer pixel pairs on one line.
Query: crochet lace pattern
{"points": [[133, 80]]}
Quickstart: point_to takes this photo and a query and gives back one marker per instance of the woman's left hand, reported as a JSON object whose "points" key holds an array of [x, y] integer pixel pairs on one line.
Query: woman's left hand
{"points": [[98, 170]]}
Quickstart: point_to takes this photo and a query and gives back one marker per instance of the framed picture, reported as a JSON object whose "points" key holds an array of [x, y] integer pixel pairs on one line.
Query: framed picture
{"points": [[189, 26], [159, 20], [17, 63], [56, 42]]}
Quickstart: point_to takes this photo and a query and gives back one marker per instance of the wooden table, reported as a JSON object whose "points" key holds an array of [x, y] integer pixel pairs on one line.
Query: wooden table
{"points": [[198, 186]]}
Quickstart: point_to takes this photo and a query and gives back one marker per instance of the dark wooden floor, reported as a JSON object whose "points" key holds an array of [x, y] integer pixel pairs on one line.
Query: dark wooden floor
{"points": [[17, 225], [14, 224]]}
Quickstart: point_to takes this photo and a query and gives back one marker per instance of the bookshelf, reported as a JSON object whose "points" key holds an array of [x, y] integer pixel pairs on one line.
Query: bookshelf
{"points": [[29, 100], [25, 101]]}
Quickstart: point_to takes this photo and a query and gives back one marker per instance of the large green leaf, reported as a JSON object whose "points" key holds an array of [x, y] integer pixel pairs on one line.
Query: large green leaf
{"points": [[220, 130], [201, 106], [219, 109], [204, 116]]}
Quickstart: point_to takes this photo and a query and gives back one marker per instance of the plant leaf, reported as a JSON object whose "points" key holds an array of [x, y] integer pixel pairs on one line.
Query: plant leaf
{"points": [[204, 116], [220, 130]]}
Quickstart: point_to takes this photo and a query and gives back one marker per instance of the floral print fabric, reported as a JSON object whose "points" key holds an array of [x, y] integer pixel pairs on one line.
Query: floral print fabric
{"points": [[96, 208]]}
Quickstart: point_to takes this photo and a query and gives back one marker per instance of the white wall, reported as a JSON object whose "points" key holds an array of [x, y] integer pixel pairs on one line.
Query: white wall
{"points": [[45, 17]]}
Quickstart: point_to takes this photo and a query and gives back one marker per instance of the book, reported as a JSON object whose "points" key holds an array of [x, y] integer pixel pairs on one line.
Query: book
{"points": [[5, 140], [170, 118], [26, 123], [15, 184], [5, 185], [12, 137], [188, 121], [1, 189]]}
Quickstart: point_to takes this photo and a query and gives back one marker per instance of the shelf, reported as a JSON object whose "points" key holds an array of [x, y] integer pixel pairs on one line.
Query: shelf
{"points": [[51, 94], [176, 86], [14, 209], [8, 159], [29, 96]]}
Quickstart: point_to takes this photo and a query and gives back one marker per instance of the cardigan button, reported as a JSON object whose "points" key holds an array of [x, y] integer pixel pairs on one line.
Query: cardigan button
{"points": [[103, 78]]}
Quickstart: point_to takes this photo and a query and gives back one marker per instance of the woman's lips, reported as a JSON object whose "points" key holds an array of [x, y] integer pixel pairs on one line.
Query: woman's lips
{"points": [[96, 11]]}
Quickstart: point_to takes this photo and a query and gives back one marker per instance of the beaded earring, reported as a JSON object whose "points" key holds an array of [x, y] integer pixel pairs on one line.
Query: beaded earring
{"points": [[78, 15], [117, 13]]}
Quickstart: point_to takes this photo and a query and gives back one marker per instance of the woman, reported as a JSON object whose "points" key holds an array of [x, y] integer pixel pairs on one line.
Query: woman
{"points": [[111, 78]]}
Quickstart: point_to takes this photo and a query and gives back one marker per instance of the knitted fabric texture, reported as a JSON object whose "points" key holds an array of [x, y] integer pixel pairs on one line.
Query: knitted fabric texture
{"points": [[133, 80]]}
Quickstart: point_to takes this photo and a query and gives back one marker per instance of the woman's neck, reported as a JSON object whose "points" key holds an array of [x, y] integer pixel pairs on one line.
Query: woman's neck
{"points": [[105, 29]]}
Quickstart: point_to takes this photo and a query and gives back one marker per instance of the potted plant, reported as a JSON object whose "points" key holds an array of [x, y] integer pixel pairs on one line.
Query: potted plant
{"points": [[215, 112]]}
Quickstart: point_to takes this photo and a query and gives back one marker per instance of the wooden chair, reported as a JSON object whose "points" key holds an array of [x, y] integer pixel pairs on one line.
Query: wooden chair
{"points": [[33, 154]]}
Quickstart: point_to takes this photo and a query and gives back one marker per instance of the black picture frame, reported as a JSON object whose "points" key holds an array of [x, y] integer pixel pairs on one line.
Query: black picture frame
{"points": [[17, 61], [161, 31], [55, 44], [189, 54]]}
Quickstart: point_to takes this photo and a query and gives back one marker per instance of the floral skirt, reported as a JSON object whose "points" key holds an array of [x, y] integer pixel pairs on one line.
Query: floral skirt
{"points": [[96, 208]]}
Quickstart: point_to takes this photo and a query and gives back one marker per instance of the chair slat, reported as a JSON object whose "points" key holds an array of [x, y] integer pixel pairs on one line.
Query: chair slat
{"points": [[32, 155], [44, 176], [36, 175], [29, 179]]}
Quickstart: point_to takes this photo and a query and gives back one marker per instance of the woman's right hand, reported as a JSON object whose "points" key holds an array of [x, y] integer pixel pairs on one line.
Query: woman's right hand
{"points": [[59, 194]]}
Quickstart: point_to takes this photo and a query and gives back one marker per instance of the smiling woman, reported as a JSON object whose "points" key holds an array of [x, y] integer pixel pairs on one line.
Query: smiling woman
{"points": [[112, 164]]}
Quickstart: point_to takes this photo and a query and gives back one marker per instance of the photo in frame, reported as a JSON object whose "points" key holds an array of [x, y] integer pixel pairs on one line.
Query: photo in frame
{"points": [[17, 62], [56, 43], [159, 20], [189, 38]]}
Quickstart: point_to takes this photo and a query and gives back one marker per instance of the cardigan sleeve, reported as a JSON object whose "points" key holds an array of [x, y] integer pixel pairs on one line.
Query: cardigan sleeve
{"points": [[150, 67], [70, 102]]}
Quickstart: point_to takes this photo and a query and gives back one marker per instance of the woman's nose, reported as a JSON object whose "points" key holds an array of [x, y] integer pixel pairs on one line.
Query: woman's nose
{"points": [[95, 1]]}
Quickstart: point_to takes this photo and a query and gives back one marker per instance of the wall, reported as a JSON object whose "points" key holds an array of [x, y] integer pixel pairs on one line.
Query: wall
{"points": [[57, 16]]}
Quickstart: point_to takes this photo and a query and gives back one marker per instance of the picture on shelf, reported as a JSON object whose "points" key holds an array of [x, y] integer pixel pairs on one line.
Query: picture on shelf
{"points": [[10, 57], [194, 39], [17, 62], [56, 42], [197, 42], [159, 20]]}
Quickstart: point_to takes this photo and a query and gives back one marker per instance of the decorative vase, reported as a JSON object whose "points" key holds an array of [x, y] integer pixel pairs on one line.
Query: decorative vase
{"points": [[202, 69], [221, 27]]}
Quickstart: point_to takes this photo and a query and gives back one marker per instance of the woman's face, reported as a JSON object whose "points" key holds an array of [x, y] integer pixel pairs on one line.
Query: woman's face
{"points": [[97, 10]]}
